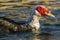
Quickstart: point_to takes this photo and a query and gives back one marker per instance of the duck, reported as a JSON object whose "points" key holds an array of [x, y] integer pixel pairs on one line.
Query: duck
{"points": [[33, 24]]}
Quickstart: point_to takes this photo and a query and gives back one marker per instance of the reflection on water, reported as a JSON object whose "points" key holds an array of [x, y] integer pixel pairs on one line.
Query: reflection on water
{"points": [[27, 36], [43, 37]]}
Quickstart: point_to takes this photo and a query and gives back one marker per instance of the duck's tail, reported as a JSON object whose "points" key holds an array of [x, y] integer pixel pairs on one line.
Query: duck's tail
{"points": [[8, 25]]}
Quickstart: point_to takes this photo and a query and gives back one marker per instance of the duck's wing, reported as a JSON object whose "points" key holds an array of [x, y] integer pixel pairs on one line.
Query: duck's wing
{"points": [[11, 21], [11, 26]]}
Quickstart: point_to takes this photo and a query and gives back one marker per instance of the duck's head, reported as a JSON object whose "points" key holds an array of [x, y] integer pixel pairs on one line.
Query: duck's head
{"points": [[42, 11]]}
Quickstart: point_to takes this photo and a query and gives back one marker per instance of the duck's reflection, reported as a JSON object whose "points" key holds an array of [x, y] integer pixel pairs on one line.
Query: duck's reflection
{"points": [[42, 37]]}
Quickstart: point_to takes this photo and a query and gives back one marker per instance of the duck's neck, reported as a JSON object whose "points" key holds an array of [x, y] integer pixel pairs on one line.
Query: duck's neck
{"points": [[35, 18], [35, 22]]}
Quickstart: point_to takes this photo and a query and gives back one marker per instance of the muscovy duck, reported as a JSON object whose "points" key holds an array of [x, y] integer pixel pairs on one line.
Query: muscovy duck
{"points": [[32, 24]]}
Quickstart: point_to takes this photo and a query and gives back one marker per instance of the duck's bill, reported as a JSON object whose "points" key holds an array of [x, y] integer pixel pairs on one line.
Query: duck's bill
{"points": [[51, 15]]}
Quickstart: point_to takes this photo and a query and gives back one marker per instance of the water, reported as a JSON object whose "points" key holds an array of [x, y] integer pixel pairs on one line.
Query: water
{"points": [[53, 29]]}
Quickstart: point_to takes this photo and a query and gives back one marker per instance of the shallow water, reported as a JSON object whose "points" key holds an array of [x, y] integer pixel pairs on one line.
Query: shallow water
{"points": [[19, 15]]}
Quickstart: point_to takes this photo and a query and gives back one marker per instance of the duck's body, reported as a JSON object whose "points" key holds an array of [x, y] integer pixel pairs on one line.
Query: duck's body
{"points": [[11, 26], [8, 25]]}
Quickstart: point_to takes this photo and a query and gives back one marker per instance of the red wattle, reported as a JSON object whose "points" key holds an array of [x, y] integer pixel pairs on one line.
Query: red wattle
{"points": [[41, 10]]}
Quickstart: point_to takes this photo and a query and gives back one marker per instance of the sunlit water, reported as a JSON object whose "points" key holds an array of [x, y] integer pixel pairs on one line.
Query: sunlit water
{"points": [[53, 29]]}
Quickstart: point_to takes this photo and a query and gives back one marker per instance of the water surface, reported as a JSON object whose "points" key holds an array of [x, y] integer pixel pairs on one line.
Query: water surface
{"points": [[21, 14]]}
